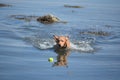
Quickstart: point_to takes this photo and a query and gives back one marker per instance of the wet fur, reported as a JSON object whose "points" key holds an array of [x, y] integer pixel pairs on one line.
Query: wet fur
{"points": [[62, 42]]}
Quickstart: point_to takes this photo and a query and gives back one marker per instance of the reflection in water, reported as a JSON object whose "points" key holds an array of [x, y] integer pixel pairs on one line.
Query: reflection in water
{"points": [[62, 55]]}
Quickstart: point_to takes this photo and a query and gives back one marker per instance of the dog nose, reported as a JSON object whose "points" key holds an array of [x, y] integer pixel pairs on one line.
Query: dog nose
{"points": [[59, 45]]}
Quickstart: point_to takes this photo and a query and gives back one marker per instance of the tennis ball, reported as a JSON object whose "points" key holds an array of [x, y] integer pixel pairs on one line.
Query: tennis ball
{"points": [[50, 59]]}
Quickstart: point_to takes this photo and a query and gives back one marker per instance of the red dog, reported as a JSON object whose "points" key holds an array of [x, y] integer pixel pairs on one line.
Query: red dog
{"points": [[62, 41]]}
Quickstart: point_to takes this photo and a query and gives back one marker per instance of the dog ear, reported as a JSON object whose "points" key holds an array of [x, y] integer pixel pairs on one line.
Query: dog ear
{"points": [[67, 37], [67, 43], [55, 37]]}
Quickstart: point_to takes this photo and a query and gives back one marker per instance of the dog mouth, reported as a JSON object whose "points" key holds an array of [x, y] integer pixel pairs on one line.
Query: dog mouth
{"points": [[59, 45]]}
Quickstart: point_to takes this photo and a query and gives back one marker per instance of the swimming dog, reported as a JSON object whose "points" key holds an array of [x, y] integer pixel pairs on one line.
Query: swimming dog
{"points": [[62, 42]]}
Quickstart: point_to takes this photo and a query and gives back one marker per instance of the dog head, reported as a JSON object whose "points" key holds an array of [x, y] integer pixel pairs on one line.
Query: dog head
{"points": [[62, 41]]}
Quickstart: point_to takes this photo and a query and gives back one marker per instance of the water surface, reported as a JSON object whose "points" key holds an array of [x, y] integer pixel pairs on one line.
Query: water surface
{"points": [[25, 46]]}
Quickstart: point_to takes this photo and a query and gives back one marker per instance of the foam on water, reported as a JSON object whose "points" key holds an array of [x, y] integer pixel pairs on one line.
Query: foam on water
{"points": [[82, 46], [45, 44]]}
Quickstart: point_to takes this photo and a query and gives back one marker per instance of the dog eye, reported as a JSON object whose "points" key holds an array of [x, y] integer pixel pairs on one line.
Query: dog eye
{"points": [[57, 40], [62, 41]]}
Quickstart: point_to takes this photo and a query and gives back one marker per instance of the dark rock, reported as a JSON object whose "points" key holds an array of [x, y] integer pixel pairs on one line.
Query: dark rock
{"points": [[24, 17], [47, 19], [4, 5], [97, 33], [70, 6]]}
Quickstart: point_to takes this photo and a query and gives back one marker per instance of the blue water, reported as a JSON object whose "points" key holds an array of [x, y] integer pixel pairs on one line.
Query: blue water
{"points": [[25, 46]]}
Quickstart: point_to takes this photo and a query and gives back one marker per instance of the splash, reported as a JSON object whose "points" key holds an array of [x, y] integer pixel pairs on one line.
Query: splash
{"points": [[82, 46], [43, 44]]}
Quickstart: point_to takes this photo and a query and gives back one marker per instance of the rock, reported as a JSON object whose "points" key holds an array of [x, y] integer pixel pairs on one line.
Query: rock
{"points": [[70, 6], [24, 17], [97, 33], [47, 19], [4, 5]]}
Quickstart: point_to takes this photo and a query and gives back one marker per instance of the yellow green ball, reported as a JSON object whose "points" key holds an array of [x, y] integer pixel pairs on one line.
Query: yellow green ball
{"points": [[50, 59]]}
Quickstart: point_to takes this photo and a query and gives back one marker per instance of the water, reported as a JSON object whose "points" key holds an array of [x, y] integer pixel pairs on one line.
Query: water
{"points": [[26, 45]]}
